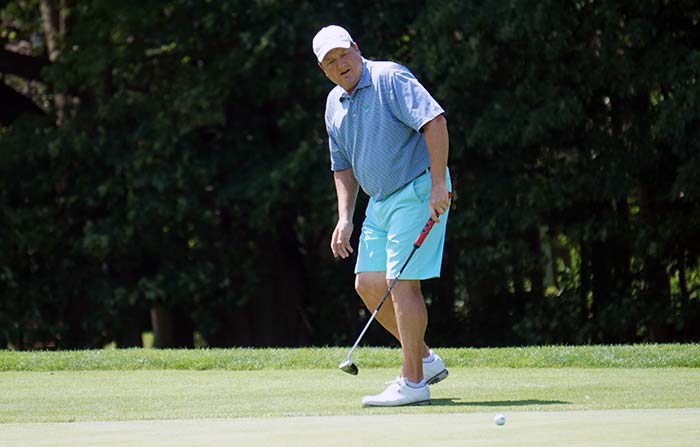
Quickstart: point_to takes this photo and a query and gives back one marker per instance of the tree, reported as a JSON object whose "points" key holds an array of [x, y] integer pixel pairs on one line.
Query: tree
{"points": [[557, 106], [164, 165]]}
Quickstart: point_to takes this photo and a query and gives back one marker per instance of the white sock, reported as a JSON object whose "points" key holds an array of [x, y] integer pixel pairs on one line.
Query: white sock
{"points": [[410, 384], [429, 358]]}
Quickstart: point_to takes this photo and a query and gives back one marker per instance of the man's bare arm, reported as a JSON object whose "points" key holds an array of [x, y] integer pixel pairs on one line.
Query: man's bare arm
{"points": [[346, 188], [438, 142]]}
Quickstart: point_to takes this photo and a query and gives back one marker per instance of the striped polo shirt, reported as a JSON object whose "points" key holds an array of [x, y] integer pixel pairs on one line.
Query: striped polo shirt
{"points": [[376, 130]]}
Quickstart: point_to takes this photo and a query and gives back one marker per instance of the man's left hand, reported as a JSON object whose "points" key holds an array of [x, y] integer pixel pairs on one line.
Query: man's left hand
{"points": [[439, 201]]}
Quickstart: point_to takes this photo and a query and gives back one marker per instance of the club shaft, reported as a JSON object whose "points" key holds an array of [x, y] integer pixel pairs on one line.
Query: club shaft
{"points": [[416, 245], [381, 302]]}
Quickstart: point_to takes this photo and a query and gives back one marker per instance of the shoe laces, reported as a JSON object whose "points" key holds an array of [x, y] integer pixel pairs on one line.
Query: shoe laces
{"points": [[398, 380]]}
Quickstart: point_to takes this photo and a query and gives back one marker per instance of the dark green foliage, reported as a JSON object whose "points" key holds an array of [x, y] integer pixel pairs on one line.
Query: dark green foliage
{"points": [[189, 172], [559, 109]]}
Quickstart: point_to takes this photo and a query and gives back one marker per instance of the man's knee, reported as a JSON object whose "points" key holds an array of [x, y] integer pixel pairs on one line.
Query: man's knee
{"points": [[362, 284], [407, 290], [368, 284]]}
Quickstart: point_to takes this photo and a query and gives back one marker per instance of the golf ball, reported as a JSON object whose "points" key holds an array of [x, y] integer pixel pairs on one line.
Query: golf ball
{"points": [[499, 419]]}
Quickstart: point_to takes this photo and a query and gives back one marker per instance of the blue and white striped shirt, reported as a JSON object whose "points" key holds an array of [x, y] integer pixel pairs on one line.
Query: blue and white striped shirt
{"points": [[376, 130]]}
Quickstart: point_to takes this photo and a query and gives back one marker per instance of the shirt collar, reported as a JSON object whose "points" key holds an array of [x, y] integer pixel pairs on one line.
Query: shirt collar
{"points": [[365, 81]]}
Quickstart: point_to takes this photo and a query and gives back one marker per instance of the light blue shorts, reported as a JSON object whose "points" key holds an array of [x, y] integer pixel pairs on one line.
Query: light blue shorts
{"points": [[391, 227]]}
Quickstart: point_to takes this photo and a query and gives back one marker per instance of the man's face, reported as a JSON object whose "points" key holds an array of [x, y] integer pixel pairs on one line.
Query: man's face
{"points": [[343, 66]]}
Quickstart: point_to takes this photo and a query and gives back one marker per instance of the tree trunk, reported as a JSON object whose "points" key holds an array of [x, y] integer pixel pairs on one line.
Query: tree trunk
{"points": [[442, 321], [135, 321], [656, 296], [53, 23], [585, 331], [162, 323], [277, 316], [183, 328], [172, 327]]}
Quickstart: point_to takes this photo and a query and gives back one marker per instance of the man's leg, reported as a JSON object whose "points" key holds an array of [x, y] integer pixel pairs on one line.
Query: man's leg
{"points": [[410, 318], [371, 286], [412, 321]]}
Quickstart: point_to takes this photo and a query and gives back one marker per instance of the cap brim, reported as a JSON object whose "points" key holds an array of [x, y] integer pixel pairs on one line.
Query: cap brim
{"points": [[331, 46]]}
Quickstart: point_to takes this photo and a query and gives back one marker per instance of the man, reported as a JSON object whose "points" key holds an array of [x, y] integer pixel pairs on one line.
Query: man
{"points": [[389, 136]]}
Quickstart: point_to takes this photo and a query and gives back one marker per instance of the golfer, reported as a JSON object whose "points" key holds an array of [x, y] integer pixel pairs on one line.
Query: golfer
{"points": [[388, 136]]}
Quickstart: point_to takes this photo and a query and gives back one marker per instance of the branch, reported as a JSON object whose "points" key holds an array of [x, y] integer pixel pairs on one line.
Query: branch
{"points": [[50, 23], [14, 105], [28, 67]]}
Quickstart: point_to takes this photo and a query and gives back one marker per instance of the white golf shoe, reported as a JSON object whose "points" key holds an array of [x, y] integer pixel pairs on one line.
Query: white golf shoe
{"points": [[434, 371], [398, 393]]}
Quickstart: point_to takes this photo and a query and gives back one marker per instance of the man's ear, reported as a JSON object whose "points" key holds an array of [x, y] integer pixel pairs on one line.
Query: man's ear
{"points": [[324, 71], [356, 47]]}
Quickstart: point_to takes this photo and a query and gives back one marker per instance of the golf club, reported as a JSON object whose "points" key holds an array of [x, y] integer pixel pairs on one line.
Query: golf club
{"points": [[347, 365]]}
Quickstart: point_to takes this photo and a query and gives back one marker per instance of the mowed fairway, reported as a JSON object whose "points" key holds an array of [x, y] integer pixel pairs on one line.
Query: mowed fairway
{"points": [[614, 406]]}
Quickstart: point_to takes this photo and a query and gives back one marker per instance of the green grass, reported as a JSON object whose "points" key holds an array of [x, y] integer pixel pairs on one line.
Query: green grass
{"points": [[628, 428], [641, 396], [70, 396], [622, 356]]}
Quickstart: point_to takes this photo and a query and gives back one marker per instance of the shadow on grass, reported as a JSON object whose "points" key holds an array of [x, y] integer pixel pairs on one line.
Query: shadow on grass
{"points": [[496, 403]]}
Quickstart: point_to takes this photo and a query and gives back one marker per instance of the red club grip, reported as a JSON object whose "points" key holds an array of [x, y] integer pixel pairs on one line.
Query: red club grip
{"points": [[426, 229], [423, 234]]}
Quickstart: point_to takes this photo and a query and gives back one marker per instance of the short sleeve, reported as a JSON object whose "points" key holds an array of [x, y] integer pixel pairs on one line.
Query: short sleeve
{"points": [[339, 162], [411, 103]]}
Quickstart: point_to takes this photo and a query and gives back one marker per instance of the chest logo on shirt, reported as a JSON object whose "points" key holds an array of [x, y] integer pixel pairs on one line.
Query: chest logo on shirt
{"points": [[365, 107]]}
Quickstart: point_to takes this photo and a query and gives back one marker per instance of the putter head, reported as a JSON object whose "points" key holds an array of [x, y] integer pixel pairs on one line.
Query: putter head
{"points": [[348, 367]]}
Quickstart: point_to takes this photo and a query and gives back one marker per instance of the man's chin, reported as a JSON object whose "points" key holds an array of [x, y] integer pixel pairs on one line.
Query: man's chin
{"points": [[348, 85]]}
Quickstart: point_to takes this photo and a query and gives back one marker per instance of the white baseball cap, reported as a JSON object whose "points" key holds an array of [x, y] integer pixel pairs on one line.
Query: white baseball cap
{"points": [[330, 37]]}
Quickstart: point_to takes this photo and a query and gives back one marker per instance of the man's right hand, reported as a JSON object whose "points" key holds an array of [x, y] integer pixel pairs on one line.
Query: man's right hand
{"points": [[340, 242]]}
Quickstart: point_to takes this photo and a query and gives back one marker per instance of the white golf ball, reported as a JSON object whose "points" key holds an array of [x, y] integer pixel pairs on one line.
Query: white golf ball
{"points": [[499, 419]]}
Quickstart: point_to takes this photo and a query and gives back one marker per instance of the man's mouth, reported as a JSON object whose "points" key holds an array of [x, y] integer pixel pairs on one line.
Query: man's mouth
{"points": [[343, 73]]}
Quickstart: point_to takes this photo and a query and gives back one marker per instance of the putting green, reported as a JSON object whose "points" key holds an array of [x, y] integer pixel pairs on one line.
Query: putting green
{"points": [[97, 396], [572, 407], [619, 428]]}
